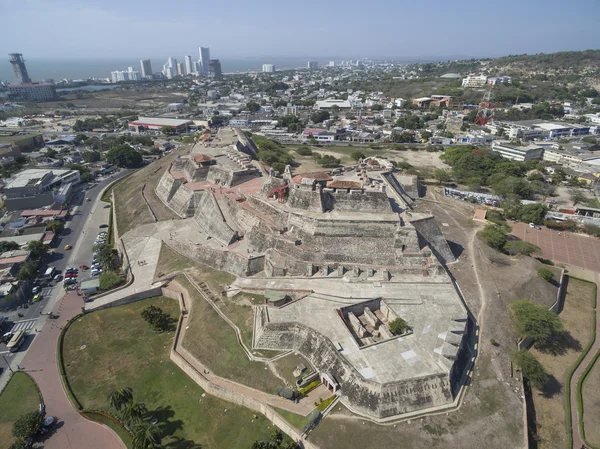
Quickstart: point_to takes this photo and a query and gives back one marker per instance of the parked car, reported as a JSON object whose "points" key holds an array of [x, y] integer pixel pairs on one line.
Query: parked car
{"points": [[102, 226], [58, 278], [71, 270], [96, 272], [69, 281], [36, 289]]}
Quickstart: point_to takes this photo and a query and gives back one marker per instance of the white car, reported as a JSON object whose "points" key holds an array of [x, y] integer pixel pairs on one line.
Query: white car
{"points": [[96, 272]]}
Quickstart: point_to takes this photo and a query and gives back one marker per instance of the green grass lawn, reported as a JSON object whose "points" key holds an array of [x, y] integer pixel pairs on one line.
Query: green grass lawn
{"points": [[20, 396], [115, 348], [285, 366], [212, 341]]}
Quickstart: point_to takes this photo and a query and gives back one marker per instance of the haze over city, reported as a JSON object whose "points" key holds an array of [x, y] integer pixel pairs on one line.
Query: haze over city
{"points": [[312, 28]]}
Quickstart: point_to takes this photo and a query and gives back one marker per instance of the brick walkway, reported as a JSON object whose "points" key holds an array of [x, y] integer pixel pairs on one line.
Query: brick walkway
{"points": [[563, 247], [73, 430]]}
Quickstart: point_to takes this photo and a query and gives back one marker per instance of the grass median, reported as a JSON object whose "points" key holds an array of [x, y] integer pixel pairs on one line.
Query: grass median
{"points": [[18, 397]]}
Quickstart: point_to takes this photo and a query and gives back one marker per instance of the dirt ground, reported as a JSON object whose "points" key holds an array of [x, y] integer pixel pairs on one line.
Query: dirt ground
{"points": [[549, 402], [420, 159], [563, 196]]}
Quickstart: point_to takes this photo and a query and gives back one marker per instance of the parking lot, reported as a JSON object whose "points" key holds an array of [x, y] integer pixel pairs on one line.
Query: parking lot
{"points": [[562, 247]]}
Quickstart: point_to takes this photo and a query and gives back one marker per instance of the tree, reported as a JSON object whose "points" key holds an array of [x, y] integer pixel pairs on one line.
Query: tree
{"points": [[108, 257], [51, 153], [109, 279], [357, 155], [304, 151], [320, 116], [426, 135], [577, 197], [328, 161], [535, 321], [55, 226], [124, 156], [18, 444], [134, 412], [27, 425], [28, 271], [398, 326], [37, 249], [494, 237], [159, 320], [531, 367], [441, 175], [92, 156], [119, 399], [545, 273], [253, 106], [8, 246], [167, 130], [145, 436]]}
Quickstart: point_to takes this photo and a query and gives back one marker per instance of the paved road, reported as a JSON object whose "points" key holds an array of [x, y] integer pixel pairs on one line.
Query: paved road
{"points": [[73, 431], [78, 236]]}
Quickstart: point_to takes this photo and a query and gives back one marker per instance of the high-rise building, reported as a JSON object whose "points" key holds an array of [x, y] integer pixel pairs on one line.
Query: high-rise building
{"points": [[128, 75], [170, 72], [312, 64], [268, 68], [18, 64], [331, 63], [214, 68], [172, 62], [146, 68], [188, 65], [180, 69], [204, 53]]}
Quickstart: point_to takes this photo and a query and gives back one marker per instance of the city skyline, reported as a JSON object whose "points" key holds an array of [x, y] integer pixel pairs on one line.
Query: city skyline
{"points": [[394, 30]]}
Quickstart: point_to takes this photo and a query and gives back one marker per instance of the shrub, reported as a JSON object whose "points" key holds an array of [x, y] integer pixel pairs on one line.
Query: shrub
{"points": [[357, 155], [494, 237], [109, 279], [493, 342], [536, 321], [328, 161], [398, 326], [311, 386], [304, 151], [545, 274], [532, 369], [514, 247]]}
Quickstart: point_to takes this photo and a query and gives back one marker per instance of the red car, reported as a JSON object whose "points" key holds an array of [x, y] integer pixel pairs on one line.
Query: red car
{"points": [[84, 267], [70, 275]]}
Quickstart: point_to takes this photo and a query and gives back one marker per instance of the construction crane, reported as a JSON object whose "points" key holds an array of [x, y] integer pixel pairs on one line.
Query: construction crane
{"points": [[487, 109], [279, 191]]}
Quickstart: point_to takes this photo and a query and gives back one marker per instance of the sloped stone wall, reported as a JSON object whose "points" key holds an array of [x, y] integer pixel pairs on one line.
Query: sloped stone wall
{"points": [[210, 219], [430, 234]]}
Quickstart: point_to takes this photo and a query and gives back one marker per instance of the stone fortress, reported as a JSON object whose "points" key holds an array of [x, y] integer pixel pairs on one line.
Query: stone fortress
{"points": [[348, 255]]}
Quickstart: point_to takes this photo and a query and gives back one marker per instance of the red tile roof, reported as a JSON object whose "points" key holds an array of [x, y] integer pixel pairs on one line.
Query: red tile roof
{"points": [[316, 176]]}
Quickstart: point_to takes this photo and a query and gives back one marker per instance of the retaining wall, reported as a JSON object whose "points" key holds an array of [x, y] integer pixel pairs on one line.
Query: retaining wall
{"points": [[209, 218]]}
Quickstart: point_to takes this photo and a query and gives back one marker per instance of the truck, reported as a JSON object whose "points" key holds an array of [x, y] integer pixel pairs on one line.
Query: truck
{"points": [[49, 274]]}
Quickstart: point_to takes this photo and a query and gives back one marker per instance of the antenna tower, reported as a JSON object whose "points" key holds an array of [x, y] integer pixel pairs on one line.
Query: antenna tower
{"points": [[487, 108]]}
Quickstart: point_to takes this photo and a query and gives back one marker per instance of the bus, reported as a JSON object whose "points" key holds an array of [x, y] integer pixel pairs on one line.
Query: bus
{"points": [[16, 341]]}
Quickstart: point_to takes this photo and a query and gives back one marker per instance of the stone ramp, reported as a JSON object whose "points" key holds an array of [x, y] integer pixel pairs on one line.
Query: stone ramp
{"points": [[429, 231]]}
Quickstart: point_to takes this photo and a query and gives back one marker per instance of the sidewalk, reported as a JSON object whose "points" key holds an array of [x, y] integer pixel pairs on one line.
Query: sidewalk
{"points": [[40, 362], [577, 439]]}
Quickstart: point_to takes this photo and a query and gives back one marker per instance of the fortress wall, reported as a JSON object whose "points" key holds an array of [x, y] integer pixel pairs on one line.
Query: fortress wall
{"points": [[244, 219], [368, 397], [407, 238], [167, 186], [263, 207], [356, 200], [240, 177], [219, 176], [244, 144], [430, 234], [355, 228], [409, 183], [180, 200], [210, 219], [221, 260], [199, 173], [304, 198]]}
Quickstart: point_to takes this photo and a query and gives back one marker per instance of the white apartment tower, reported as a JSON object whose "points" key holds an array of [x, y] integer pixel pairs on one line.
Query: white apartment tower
{"points": [[189, 68], [146, 68], [268, 68], [204, 53]]}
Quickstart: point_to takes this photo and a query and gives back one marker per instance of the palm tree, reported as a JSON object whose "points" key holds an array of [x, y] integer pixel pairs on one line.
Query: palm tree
{"points": [[145, 436], [133, 413], [121, 398]]}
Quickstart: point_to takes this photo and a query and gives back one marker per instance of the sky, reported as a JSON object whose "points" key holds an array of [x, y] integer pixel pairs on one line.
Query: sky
{"points": [[450, 29]]}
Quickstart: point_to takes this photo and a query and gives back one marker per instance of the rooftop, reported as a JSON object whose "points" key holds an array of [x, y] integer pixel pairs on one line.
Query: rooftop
{"points": [[160, 121]]}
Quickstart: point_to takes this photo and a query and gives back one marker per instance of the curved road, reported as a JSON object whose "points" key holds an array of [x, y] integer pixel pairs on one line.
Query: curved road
{"points": [[73, 431]]}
